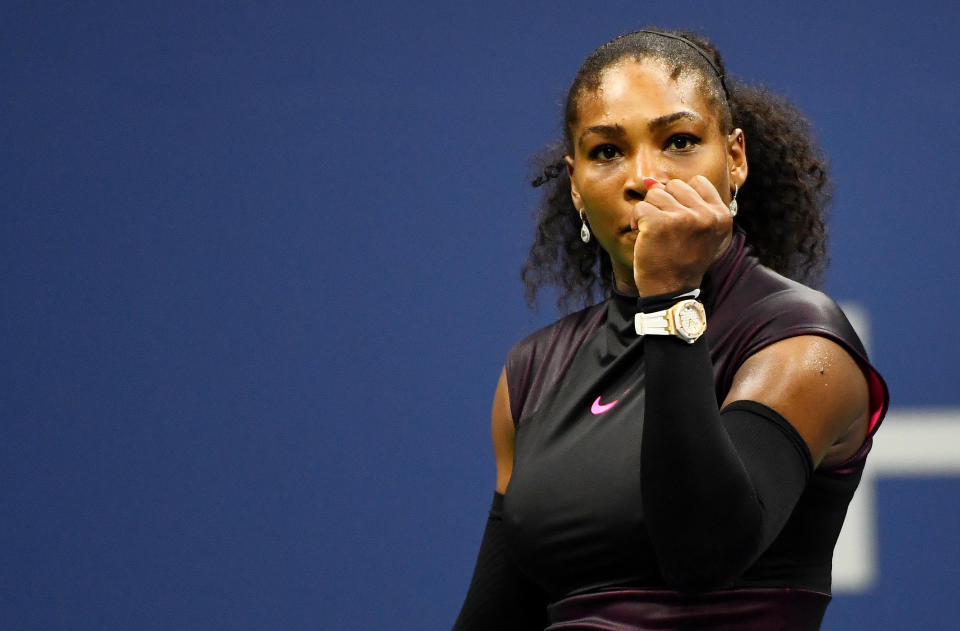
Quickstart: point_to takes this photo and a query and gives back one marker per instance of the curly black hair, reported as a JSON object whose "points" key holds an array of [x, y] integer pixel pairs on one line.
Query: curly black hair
{"points": [[782, 205]]}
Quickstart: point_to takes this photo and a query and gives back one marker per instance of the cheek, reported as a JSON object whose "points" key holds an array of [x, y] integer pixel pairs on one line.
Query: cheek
{"points": [[601, 186], [719, 180], [720, 173]]}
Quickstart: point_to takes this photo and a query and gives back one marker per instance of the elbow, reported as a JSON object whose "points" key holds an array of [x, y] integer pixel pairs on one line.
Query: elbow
{"points": [[695, 570], [696, 558]]}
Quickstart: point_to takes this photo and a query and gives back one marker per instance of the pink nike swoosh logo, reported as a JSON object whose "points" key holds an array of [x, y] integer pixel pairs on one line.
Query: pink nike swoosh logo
{"points": [[599, 408]]}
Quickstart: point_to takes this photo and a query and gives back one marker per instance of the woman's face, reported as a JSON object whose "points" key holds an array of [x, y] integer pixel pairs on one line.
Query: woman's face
{"points": [[642, 123]]}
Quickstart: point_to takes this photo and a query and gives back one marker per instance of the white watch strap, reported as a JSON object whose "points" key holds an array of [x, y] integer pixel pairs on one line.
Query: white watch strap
{"points": [[652, 323], [656, 323]]}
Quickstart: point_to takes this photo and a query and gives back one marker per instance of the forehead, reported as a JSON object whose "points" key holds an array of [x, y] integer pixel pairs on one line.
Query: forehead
{"points": [[643, 89]]}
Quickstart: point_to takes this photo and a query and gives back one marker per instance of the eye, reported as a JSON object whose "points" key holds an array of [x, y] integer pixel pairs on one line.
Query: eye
{"points": [[682, 142], [604, 152]]}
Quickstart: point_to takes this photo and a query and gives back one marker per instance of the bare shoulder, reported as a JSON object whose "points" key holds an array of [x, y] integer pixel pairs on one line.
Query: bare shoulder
{"points": [[502, 428], [816, 385]]}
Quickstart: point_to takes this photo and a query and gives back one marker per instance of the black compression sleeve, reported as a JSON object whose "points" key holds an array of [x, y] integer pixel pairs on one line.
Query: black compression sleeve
{"points": [[717, 487], [500, 596]]}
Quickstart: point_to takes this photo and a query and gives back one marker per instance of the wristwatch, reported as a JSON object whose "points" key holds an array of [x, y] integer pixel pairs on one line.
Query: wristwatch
{"points": [[686, 320]]}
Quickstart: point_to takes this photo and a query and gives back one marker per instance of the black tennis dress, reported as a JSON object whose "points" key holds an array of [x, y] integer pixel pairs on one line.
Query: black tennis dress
{"points": [[573, 515]]}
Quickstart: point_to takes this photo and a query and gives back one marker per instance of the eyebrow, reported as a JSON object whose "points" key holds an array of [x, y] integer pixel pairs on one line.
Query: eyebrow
{"points": [[668, 119], [617, 131]]}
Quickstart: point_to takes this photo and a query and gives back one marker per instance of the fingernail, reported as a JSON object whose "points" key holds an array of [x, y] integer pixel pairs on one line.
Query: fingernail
{"points": [[649, 182]]}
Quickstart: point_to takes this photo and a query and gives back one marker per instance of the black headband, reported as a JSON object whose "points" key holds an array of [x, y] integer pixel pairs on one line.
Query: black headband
{"points": [[702, 52]]}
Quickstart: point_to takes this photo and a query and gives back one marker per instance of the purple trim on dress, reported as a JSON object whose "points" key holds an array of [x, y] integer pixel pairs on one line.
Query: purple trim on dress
{"points": [[766, 609]]}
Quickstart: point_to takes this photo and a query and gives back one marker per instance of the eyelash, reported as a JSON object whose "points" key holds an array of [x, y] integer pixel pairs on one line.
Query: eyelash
{"points": [[690, 139], [595, 152]]}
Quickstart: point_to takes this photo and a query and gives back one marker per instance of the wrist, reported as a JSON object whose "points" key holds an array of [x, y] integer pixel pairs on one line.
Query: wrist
{"points": [[657, 302], [661, 287]]}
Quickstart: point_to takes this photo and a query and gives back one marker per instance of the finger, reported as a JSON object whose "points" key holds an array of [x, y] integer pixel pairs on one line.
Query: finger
{"points": [[651, 183], [711, 197], [685, 194], [659, 197], [647, 212], [707, 191]]}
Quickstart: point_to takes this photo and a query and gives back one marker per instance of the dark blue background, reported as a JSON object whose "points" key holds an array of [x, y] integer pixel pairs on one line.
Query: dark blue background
{"points": [[260, 267]]}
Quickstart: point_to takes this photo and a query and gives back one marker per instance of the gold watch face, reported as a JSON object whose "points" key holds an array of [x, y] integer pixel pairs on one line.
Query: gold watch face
{"points": [[691, 320]]}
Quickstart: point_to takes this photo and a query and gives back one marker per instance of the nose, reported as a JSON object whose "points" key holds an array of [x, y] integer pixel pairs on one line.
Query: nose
{"points": [[642, 175]]}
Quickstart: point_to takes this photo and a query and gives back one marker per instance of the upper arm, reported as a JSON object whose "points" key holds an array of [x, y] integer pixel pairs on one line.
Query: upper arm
{"points": [[502, 428], [817, 386]]}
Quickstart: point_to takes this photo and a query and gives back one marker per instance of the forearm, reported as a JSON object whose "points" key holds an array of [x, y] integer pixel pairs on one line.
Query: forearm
{"points": [[717, 488]]}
